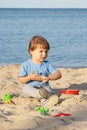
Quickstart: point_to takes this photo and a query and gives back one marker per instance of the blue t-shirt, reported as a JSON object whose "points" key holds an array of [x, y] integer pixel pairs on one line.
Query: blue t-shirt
{"points": [[45, 68]]}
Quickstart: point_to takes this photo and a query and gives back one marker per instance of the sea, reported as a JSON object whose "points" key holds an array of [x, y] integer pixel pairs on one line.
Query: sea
{"points": [[65, 30]]}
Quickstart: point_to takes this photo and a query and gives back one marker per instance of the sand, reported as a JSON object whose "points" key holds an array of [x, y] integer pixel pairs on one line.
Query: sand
{"points": [[21, 113]]}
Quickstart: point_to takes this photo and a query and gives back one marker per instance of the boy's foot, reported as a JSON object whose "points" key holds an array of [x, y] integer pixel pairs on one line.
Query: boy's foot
{"points": [[51, 101], [44, 93]]}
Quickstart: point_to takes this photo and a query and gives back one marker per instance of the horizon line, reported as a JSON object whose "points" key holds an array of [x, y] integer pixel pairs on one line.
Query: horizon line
{"points": [[42, 8]]}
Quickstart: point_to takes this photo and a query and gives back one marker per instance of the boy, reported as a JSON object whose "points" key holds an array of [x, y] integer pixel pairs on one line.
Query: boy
{"points": [[36, 72]]}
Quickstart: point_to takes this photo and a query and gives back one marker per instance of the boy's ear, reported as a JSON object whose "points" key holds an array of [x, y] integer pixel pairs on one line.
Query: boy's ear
{"points": [[31, 51]]}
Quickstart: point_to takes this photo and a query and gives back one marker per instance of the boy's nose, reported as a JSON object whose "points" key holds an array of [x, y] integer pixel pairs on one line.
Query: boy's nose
{"points": [[44, 53]]}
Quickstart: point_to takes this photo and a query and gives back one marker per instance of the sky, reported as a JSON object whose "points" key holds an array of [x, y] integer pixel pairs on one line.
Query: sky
{"points": [[43, 3]]}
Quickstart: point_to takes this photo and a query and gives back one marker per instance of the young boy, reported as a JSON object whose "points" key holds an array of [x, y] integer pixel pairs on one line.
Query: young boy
{"points": [[36, 72]]}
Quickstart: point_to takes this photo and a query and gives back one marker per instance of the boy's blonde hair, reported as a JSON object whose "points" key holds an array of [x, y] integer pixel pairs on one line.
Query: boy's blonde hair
{"points": [[38, 41]]}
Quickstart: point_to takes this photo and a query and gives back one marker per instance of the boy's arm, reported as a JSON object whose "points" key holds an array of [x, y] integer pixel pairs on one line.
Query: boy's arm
{"points": [[32, 76], [55, 76]]}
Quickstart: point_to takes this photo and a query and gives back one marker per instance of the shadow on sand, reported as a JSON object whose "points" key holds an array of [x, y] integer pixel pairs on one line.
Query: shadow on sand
{"points": [[79, 87]]}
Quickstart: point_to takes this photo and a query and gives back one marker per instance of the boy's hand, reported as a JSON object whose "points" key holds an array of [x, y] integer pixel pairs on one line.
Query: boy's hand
{"points": [[44, 79], [32, 76], [36, 77]]}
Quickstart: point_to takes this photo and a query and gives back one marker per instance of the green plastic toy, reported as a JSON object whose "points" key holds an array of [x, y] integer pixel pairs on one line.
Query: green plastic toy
{"points": [[8, 98], [42, 110]]}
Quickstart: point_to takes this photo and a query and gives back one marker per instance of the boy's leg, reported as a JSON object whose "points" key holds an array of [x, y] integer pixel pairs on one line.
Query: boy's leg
{"points": [[51, 101], [46, 92], [49, 96], [48, 88], [30, 91]]}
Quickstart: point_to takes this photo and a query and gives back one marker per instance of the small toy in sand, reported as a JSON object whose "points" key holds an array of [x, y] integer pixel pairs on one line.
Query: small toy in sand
{"points": [[8, 98], [61, 114], [76, 92], [42, 110]]}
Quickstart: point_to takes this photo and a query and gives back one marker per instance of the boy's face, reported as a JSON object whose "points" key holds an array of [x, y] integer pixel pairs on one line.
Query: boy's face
{"points": [[39, 54]]}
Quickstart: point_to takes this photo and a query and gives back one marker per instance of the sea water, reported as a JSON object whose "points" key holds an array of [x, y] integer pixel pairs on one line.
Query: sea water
{"points": [[65, 29]]}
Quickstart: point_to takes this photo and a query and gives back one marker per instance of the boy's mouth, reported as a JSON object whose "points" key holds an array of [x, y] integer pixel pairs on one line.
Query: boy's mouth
{"points": [[43, 58]]}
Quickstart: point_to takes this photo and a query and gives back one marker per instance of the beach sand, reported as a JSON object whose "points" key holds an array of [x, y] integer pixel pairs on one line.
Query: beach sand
{"points": [[21, 113]]}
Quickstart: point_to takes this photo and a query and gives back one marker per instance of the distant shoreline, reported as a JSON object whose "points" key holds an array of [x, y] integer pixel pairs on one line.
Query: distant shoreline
{"points": [[42, 8], [71, 67]]}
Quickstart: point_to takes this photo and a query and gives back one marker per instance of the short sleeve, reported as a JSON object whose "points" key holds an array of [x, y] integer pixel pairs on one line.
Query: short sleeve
{"points": [[51, 68], [23, 71]]}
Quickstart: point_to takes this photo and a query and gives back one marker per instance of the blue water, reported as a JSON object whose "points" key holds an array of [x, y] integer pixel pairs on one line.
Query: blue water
{"points": [[65, 29]]}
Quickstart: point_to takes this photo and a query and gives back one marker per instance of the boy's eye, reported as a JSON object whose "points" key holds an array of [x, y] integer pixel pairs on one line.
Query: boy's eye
{"points": [[41, 51], [46, 51]]}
